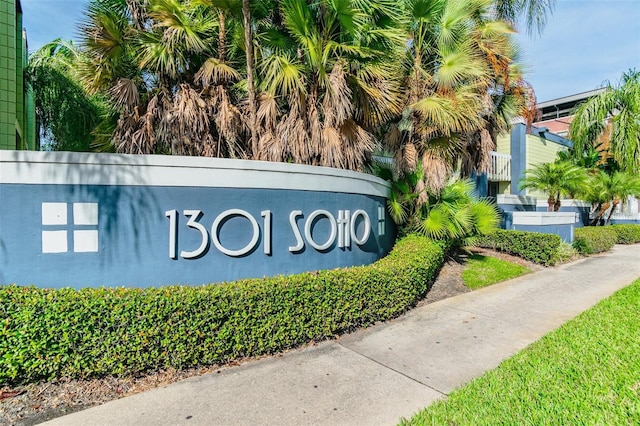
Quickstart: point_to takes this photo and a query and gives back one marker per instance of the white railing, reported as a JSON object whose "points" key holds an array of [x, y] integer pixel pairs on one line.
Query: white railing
{"points": [[500, 169], [624, 216]]}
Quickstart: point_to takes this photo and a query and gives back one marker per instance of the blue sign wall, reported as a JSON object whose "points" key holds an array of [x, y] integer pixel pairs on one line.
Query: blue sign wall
{"points": [[87, 220]]}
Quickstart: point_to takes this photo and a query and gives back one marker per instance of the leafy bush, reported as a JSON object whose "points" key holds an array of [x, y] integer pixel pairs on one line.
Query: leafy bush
{"points": [[627, 234], [594, 239], [46, 334], [454, 213], [534, 246], [565, 252]]}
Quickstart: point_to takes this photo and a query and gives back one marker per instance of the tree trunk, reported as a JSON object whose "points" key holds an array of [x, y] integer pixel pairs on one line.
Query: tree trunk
{"points": [[557, 204], [601, 212], [551, 202], [613, 207], [248, 45], [222, 37]]}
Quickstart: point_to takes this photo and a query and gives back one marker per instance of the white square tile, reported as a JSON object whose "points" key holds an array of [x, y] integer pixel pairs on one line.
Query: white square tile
{"points": [[85, 213], [85, 241], [54, 213], [54, 241]]}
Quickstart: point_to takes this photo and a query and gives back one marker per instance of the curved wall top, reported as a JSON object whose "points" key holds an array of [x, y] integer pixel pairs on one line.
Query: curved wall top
{"points": [[166, 170], [87, 220]]}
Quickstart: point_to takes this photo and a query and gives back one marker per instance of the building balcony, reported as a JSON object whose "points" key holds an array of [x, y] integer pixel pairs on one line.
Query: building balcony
{"points": [[500, 169]]}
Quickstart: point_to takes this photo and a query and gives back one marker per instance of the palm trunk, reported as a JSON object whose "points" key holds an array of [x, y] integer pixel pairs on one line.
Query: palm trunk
{"points": [[557, 204], [248, 42], [601, 212], [222, 36], [613, 207], [551, 202]]}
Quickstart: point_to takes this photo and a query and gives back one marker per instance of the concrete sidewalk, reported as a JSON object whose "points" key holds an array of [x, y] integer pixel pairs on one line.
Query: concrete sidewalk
{"points": [[377, 375]]}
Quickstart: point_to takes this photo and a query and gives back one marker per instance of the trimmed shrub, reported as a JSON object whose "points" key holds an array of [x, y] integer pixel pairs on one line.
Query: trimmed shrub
{"points": [[534, 246], [627, 234], [594, 239], [46, 334]]}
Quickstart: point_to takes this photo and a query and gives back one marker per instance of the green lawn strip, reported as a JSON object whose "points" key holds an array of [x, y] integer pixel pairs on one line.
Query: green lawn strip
{"points": [[481, 271], [585, 372]]}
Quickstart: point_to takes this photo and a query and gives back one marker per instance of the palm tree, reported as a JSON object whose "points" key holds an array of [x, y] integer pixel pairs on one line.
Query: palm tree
{"points": [[605, 191], [452, 213], [463, 87], [505, 95], [160, 64], [455, 213], [438, 78], [535, 12], [248, 46], [555, 179], [65, 114], [614, 115], [326, 80]]}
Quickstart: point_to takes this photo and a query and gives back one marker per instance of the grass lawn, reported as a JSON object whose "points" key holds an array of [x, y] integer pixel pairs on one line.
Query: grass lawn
{"points": [[481, 271], [587, 372]]}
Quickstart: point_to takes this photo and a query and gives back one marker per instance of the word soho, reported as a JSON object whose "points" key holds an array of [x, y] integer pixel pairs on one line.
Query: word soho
{"points": [[343, 228]]}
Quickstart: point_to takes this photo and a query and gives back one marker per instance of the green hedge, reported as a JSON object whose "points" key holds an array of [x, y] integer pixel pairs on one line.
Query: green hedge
{"points": [[47, 334], [534, 246], [627, 234], [594, 239]]}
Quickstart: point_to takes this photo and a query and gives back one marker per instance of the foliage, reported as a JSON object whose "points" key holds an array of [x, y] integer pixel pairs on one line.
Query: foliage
{"points": [[566, 252], [481, 271], [593, 158], [534, 12], [47, 334], [403, 203], [453, 213], [627, 234], [590, 240], [585, 372], [462, 86], [327, 77], [317, 76], [612, 118], [308, 82], [65, 114], [605, 191], [555, 179], [533, 246], [166, 68]]}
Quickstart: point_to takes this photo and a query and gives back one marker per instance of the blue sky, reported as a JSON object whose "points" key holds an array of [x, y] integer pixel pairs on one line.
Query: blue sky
{"points": [[585, 42]]}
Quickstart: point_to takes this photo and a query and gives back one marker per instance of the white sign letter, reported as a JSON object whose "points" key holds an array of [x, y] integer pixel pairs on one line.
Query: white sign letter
{"points": [[266, 229], [309, 223], [216, 225], [367, 227], [296, 232], [173, 230], [343, 229], [194, 215]]}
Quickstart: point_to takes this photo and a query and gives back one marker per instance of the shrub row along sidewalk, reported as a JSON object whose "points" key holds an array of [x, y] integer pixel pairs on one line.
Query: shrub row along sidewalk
{"points": [[46, 334], [545, 249], [598, 239], [533, 246], [586, 372]]}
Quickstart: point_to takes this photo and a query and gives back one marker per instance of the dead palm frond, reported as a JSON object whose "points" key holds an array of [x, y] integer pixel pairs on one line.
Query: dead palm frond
{"points": [[214, 71]]}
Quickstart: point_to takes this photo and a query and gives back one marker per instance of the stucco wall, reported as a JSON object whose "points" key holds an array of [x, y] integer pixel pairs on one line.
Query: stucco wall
{"points": [[87, 220]]}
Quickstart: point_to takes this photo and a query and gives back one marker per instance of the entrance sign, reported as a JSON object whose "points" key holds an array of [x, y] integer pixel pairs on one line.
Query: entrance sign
{"points": [[88, 220]]}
